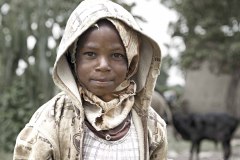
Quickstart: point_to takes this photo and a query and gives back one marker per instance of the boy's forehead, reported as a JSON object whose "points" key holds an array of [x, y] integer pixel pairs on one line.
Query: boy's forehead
{"points": [[97, 26]]}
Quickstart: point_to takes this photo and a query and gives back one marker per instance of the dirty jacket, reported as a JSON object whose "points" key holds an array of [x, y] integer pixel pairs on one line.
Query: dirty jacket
{"points": [[55, 131]]}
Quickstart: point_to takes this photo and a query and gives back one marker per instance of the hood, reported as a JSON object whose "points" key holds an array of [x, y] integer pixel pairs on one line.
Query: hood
{"points": [[85, 15]]}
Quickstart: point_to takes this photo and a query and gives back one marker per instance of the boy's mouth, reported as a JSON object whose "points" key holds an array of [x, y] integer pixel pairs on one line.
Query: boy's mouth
{"points": [[101, 79], [102, 82]]}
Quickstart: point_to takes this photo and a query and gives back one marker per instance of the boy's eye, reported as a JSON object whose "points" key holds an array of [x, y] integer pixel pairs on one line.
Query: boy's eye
{"points": [[89, 54], [119, 56]]}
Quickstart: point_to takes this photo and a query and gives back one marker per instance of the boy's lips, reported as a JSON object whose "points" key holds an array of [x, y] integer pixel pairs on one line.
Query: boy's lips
{"points": [[102, 81]]}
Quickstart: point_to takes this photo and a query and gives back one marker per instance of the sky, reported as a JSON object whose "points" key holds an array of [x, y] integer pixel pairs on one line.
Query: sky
{"points": [[158, 18]]}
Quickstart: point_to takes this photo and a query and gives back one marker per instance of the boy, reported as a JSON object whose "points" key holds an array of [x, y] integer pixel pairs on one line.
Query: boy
{"points": [[106, 68]]}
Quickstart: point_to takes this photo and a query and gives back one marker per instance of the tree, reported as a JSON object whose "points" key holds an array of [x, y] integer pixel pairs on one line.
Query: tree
{"points": [[161, 84], [211, 32]]}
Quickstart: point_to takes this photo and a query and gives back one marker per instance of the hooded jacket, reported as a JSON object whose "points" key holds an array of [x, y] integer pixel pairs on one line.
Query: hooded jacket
{"points": [[55, 131]]}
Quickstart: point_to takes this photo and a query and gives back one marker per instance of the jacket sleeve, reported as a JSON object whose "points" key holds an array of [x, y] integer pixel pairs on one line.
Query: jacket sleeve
{"points": [[158, 145], [30, 144], [160, 153]]}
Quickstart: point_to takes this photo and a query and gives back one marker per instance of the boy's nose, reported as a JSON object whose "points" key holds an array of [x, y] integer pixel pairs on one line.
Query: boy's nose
{"points": [[103, 64]]}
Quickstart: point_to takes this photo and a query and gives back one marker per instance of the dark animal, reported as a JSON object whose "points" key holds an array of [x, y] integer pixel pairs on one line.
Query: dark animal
{"points": [[218, 127]]}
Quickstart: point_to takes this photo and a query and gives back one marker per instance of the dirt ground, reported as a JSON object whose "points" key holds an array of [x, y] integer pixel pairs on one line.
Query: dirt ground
{"points": [[179, 149]]}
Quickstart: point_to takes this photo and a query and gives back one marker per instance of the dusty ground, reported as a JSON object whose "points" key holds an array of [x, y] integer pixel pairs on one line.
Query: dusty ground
{"points": [[179, 150]]}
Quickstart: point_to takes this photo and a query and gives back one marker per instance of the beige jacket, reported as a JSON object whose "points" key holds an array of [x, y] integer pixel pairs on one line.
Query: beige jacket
{"points": [[56, 129]]}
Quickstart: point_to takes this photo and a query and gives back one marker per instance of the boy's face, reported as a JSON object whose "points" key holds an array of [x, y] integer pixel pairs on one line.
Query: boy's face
{"points": [[101, 60]]}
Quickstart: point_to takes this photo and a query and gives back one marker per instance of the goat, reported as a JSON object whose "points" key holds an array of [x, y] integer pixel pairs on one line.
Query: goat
{"points": [[218, 127]]}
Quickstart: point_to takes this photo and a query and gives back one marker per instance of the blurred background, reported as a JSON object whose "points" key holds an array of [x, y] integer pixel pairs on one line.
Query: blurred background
{"points": [[200, 73]]}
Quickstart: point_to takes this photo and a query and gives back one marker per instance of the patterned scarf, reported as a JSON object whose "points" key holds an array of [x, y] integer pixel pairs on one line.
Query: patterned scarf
{"points": [[107, 115]]}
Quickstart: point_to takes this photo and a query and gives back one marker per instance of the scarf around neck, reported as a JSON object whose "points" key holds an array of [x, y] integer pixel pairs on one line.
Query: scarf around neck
{"points": [[107, 115]]}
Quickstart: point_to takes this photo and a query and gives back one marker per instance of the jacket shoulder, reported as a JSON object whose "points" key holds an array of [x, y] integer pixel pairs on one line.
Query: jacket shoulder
{"points": [[36, 140], [53, 116], [51, 127], [49, 111], [154, 117]]}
